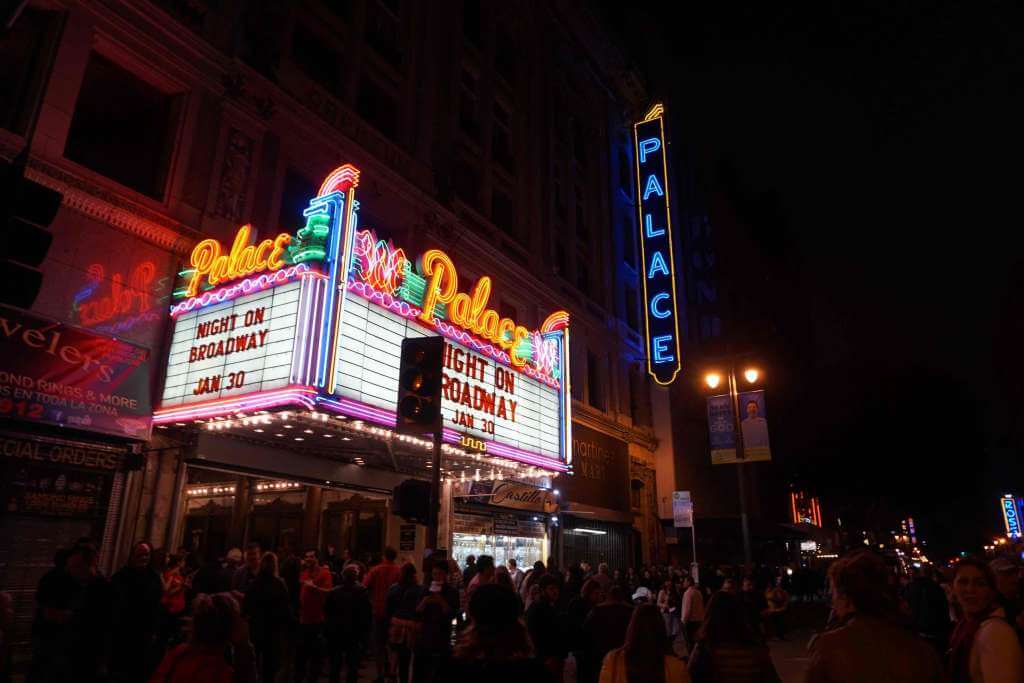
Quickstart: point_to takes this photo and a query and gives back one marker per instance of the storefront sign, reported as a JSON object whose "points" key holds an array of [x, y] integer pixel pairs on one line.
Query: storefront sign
{"points": [[49, 478], [502, 494], [56, 374], [601, 465], [1011, 516], [664, 359], [317, 319], [406, 537]]}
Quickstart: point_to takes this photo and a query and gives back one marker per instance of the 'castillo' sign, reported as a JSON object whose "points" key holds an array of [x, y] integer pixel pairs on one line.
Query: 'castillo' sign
{"points": [[660, 307]]}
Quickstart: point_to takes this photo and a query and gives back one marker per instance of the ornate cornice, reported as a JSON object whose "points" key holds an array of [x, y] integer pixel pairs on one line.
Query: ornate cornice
{"points": [[92, 199]]}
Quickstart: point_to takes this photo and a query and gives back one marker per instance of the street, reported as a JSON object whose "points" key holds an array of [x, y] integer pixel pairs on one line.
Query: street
{"points": [[790, 656]]}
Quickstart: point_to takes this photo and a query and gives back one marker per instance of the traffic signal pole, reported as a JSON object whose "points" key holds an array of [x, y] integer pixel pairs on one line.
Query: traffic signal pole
{"points": [[435, 494]]}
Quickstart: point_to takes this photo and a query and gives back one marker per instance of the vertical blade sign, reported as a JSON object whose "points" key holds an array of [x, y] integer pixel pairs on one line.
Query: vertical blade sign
{"points": [[660, 309]]}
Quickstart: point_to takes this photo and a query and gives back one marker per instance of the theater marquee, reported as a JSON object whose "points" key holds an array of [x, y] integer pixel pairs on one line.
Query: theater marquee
{"points": [[282, 322]]}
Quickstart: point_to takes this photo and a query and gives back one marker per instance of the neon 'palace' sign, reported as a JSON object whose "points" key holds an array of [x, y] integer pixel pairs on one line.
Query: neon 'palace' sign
{"points": [[660, 304], [315, 319]]}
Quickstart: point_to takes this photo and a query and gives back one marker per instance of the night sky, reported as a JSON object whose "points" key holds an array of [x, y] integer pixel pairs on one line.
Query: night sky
{"points": [[874, 153]]}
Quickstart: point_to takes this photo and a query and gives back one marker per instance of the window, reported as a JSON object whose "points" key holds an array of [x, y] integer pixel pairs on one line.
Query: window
{"points": [[469, 112], [505, 56], [630, 309], [561, 258], [21, 57], [318, 60], [467, 182], [582, 275], [501, 142], [503, 212], [629, 240], [382, 31], [471, 25], [123, 128], [377, 107], [578, 147], [595, 388], [295, 197], [639, 399]]}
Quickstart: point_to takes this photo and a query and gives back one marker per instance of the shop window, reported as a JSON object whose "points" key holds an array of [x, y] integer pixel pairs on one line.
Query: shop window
{"points": [[469, 113], [501, 138], [467, 182], [506, 56], [471, 22], [318, 60], [22, 55], [295, 196], [378, 108], [382, 28], [595, 386], [503, 212], [123, 128]]}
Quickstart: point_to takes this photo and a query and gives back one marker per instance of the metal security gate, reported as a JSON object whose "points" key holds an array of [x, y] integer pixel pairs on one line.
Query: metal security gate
{"points": [[585, 540]]}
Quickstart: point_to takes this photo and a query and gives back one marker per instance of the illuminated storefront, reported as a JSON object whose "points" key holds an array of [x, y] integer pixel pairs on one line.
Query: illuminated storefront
{"points": [[284, 362]]}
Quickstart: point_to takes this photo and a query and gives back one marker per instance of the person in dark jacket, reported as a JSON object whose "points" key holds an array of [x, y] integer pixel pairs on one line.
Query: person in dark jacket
{"points": [[495, 647], [580, 607], [727, 651], [137, 591], [438, 604], [546, 626], [400, 608], [267, 608], [754, 606], [929, 609], [348, 615], [603, 631]]}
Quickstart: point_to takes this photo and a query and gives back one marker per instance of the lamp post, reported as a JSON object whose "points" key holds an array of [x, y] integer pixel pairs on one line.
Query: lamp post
{"points": [[713, 379]]}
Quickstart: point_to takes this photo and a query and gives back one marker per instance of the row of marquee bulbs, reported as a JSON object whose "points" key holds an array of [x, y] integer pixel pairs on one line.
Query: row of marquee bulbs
{"points": [[230, 490], [498, 466]]}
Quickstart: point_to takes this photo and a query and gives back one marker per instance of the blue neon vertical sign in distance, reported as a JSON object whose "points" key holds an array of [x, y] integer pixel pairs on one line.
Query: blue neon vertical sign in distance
{"points": [[661, 317]]}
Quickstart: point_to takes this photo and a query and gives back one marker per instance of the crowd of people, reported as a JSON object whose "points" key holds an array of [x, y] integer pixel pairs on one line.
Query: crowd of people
{"points": [[255, 615]]}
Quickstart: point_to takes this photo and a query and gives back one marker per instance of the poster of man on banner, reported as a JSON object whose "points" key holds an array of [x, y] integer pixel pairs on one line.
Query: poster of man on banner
{"points": [[753, 419]]}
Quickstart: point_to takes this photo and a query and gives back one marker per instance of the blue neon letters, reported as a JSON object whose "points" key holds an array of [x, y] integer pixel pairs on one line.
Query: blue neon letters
{"points": [[660, 313]]}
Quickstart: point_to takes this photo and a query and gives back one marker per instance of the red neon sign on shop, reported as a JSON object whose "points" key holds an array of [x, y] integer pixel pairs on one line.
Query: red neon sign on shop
{"points": [[123, 299]]}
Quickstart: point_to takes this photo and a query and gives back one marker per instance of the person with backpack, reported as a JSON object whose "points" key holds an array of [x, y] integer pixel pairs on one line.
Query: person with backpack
{"points": [[348, 615]]}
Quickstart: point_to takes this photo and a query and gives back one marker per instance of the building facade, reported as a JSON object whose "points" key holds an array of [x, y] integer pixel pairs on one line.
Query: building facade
{"points": [[500, 135]]}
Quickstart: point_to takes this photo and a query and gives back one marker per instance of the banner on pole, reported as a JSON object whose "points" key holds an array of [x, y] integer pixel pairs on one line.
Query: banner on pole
{"points": [[682, 509]]}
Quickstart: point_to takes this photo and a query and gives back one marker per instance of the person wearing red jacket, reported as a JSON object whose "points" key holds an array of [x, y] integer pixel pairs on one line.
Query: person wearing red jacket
{"points": [[315, 582]]}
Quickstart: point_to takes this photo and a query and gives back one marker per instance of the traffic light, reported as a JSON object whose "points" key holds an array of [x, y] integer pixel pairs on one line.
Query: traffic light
{"points": [[412, 500], [419, 386], [27, 210]]}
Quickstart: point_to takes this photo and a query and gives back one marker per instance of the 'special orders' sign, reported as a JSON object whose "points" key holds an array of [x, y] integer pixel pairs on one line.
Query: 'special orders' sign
{"points": [[660, 303]]}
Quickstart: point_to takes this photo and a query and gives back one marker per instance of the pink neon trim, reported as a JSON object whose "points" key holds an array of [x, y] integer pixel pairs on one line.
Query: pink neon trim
{"points": [[345, 176], [242, 287], [304, 396], [386, 418]]}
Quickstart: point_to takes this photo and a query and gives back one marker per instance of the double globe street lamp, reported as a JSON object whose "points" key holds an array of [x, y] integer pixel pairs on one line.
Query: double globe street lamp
{"points": [[713, 379]]}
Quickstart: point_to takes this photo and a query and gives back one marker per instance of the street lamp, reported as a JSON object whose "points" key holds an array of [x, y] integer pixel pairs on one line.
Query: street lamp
{"points": [[712, 380]]}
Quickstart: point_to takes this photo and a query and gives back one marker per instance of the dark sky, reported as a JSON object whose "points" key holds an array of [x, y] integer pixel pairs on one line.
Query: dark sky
{"points": [[887, 135]]}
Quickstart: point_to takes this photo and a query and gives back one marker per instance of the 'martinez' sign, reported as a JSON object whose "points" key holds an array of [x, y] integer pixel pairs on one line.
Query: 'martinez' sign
{"points": [[317, 320], [660, 305]]}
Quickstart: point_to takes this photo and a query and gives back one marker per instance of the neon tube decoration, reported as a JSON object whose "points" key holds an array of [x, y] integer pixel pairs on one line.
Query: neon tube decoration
{"points": [[332, 259]]}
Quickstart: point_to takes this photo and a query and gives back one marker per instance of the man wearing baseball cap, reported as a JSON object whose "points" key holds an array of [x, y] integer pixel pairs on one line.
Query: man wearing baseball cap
{"points": [[1008, 582]]}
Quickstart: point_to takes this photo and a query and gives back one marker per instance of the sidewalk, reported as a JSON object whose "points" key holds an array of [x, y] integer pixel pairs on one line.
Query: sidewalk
{"points": [[790, 656]]}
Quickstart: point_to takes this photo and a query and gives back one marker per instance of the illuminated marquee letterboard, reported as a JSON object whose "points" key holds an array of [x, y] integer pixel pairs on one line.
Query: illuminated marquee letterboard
{"points": [[238, 347], [660, 304], [481, 397]]}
